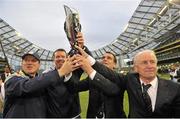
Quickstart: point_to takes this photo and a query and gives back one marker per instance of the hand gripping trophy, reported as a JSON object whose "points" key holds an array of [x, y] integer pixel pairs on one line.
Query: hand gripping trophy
{"points": [[71, 27]]}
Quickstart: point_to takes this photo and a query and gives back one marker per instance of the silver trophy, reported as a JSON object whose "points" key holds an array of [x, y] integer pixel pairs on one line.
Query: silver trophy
{"points": [[71, 27]]}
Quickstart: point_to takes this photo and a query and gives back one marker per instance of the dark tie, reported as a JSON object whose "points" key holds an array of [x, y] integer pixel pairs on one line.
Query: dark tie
{"points": [[147, 98]]}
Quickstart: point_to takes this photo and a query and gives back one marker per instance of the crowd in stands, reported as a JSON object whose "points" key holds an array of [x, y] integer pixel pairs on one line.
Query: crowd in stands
{"points": [[173, 70]]}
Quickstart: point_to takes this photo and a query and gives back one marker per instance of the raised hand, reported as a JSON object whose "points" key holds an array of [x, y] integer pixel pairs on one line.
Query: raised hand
{"points": [[83, 53], [68, 66], [80, 39], [84, 64]]}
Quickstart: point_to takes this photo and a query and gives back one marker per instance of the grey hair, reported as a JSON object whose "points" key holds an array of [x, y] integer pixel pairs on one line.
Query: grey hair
{"points": [[135, 59]]}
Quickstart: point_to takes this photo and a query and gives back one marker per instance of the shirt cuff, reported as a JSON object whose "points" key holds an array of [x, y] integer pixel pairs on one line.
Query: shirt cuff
{"points": [[91, 60], [67, 77], [92, 75]]}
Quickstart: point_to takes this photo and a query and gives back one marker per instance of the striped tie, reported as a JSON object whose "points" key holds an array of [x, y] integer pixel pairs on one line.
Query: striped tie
{"points": [[147, 98]]}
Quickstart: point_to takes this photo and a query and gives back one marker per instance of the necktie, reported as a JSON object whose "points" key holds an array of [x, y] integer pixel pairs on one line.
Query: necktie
{"points": [[147, 98]]}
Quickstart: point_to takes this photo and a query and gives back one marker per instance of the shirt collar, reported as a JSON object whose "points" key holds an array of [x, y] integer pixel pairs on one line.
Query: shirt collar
{"points": [[153, 83], [29, 75]]}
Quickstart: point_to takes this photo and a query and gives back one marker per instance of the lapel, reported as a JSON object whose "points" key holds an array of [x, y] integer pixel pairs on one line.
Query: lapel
{"points": [[162, 93], [138, 89]]}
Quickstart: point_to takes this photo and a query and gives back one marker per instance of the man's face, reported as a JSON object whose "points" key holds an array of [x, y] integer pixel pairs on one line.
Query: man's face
{"points": [[59, 58], [30, 65], [146, 66], [108, 60], [6, 69]]}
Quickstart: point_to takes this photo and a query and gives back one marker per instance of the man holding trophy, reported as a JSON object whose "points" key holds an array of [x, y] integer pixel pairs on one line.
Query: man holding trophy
{"points": [[72, 28]]}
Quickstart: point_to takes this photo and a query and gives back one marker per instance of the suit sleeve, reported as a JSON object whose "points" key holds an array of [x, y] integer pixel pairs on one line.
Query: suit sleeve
{"points": [[19, 86], [106, 86], [111, 75], [87, 51], [74, 85]]}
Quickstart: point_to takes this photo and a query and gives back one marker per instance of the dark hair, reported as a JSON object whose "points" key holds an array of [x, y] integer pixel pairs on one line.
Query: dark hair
{"points": [[115, 59], [60, 49]]}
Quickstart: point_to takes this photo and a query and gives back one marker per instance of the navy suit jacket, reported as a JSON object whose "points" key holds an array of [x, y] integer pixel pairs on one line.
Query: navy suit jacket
{"points": [[25, 97]]}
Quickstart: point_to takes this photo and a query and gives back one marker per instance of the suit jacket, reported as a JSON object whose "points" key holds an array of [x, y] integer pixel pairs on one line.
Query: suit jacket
{"points": [[167, 100], [95, 101], [104, 93], [62, 103]]}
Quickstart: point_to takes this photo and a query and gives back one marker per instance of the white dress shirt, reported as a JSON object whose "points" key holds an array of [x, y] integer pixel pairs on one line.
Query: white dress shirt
{"points": [[152, 91], [92, 62]]}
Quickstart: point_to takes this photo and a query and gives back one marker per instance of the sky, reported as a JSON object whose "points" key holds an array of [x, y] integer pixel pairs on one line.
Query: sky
{"points": [[42, 21]]}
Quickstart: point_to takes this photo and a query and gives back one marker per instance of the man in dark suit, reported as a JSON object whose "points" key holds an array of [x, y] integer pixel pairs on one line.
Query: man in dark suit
{"points": [[109, 105], [61, 103], [164, 94]]}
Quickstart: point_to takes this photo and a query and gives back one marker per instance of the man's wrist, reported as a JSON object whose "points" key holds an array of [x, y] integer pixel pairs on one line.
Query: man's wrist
{"points": [[61, 73], [91, 60], [92, 75], [67, 77]]}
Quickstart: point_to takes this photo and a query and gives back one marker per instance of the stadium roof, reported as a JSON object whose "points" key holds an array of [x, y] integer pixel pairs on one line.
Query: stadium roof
{"points": [[151, 20], [15, 45]]}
